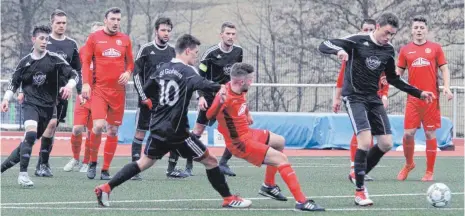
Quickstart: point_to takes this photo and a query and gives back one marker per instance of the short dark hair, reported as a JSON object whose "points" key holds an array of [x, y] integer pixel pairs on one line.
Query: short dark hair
{"points": [[114, 10], [55, 13], [241, 69], [368, 21], [41, 29], [420, 19], [163, 20], [227, 25], [186, 41], [388, 19]]}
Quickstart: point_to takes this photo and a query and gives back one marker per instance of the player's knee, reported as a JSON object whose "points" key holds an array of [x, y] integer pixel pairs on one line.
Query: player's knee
{"points": [[278, 142], [140, 134], [145, 162], [409, 134], [30, 136], [112, 130], [385, 146], [430, 134], [198, 129], [52, 124], [98, 127], [209, 161], [78, 129]]}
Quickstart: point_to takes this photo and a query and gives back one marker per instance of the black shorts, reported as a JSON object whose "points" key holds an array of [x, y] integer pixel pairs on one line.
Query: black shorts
{"points": [[367, 113], [41, 115], [143, 116], [202, 115], [61, 109], [189, 148]]}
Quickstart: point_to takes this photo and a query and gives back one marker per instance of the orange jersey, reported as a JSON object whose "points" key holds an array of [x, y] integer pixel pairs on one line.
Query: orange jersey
{"points": [[231, 116], [383, 84], [422, 62], [112, 57]]}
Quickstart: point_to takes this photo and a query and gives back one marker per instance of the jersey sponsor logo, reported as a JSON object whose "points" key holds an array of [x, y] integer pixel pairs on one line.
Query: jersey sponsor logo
{"points": [[62, 54], [227, 69], [119, 42], [420, 62], [101, 42], [372, 62], [427, 50], [39, 78], [112, 53], [242, 109]]}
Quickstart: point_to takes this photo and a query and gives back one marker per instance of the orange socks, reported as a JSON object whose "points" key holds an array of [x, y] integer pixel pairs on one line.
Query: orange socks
{"points": [[270, 175], [109, 151], [409, 148], [289, 176], [431, 146], [76, 142], [95, 145], [86, 151]]}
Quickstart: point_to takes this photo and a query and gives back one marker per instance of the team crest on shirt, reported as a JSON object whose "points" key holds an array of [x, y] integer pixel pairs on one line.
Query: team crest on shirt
{"points": [[427, 50], [372, 62], [242, 109], [420, 62], [227, 69], [39, 78], [119, 42], [112, 53]]}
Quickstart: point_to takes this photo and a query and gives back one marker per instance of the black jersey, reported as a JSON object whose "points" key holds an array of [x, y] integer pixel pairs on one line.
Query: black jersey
{"points": [[40, 78], [367, 60], [150, 55], [172, 86], [215, 63], [68, 50]]}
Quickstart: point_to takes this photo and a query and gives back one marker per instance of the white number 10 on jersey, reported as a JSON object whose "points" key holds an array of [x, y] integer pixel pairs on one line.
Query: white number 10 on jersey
{"points": [[165, 92]]}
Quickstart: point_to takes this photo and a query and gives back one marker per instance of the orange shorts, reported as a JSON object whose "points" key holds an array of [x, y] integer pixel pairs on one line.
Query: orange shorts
{"points": [[252, 147], [108, 104], [82, 115], [419, 112]]}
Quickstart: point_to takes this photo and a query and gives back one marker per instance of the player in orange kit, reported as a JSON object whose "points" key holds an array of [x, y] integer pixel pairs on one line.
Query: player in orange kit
{"points": [[422, 58], [82, 119], [113, 64], [368, 25], [254, 145]]}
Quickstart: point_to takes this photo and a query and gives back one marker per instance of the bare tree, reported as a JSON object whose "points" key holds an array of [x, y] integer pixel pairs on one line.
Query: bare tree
{"points": [[152, 10], [130, 6]]}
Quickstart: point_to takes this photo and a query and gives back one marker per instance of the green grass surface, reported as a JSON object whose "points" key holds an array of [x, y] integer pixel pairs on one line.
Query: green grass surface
{"points": [[324, 179]]}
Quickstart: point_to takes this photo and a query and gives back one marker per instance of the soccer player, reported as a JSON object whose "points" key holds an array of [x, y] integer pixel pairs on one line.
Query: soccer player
{"points": [[82, 119], [67, 48], [215, 65], [40, 74], [171, 86], [422, 58], [255, 146], [152, 54], [113, 65], [370, 55], [368, 25]]}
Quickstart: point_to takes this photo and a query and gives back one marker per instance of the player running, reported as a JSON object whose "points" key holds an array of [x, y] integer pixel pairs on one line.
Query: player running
{"points": [[253, 145], [368, 25], [422, 58], [113, 65], [82, 119], [40, 73], [172, 85], [370, 55]]}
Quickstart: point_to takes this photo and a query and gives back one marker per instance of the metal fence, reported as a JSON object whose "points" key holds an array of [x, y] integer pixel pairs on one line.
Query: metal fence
{"points": [[273, 97]]}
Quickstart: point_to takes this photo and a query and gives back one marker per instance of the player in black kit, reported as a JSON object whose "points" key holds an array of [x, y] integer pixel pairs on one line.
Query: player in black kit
{"points": [[67, 48], [215, 65], [40, 73], [172, 85], [149, 58], [367, 57]]}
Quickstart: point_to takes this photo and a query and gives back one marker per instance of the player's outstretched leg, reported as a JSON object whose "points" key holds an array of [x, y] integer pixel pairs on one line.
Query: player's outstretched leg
{"points": [[12, 160], [218, 182], [127, 172], [409, 148]]}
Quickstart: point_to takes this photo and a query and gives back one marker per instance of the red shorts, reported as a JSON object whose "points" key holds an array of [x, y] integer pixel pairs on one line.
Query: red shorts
{"points": [[252, 147], [419, 112], [108, 104], [82, 115]]}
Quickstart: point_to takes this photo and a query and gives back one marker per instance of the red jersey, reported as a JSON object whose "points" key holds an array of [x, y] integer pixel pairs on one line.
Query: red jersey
{"points": [[112, 57], [422, 63], [232, 115], [383, 84]]}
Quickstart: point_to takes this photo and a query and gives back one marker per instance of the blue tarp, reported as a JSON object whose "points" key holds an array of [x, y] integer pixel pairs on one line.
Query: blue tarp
{"points": [[304, 130]]}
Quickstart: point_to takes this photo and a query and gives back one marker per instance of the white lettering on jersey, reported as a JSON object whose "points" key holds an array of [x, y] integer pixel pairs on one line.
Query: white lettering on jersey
{"points": [[420, 62], [112, 53]]}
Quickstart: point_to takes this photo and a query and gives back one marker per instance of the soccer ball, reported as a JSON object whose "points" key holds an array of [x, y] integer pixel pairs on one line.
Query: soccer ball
{"points": [[438, 195]]}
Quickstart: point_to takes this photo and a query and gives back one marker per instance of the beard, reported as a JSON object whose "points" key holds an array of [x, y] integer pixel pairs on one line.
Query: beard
{"points": [[162, 41]]}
